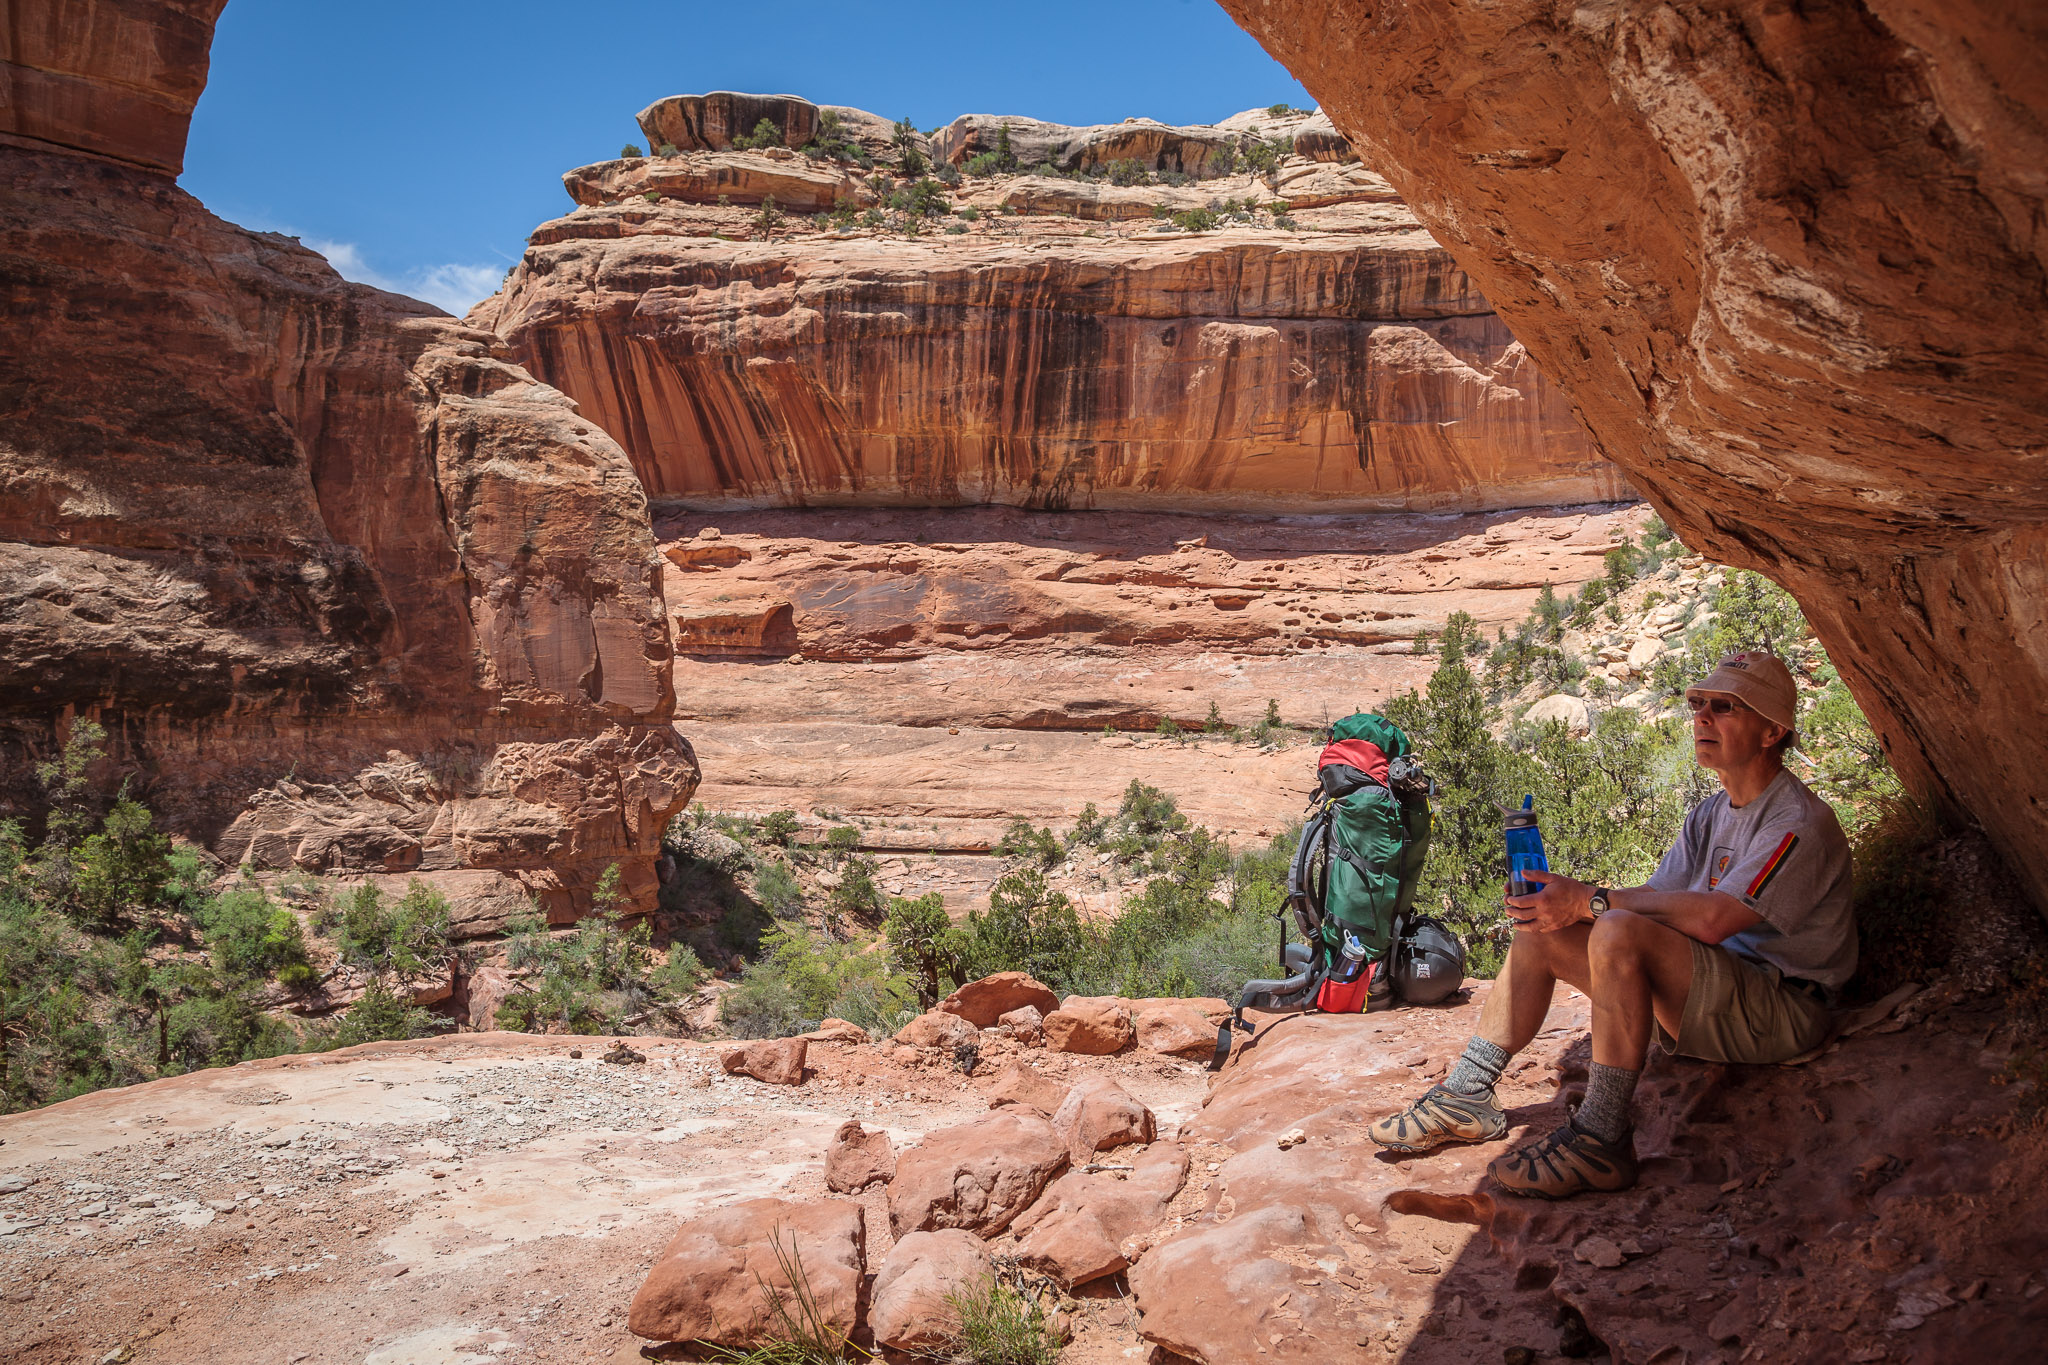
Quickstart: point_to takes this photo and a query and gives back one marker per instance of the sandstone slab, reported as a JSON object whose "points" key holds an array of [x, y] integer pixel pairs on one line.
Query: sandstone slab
{"points": [[983, 1003], [977, 1176], [1092, 1025], [858, 1158], [907, 1307], [708, 1284], [777, 1061]]}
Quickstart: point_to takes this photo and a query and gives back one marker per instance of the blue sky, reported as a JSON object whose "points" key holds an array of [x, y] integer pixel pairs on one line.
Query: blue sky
{"points": [[417, 144]]}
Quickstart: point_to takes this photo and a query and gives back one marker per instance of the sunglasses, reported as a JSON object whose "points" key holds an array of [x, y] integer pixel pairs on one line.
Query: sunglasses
{"points": [[1720, 706]]}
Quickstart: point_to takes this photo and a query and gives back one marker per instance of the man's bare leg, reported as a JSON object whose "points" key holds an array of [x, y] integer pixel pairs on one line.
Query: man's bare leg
{"points": [[1521, 995], [1640, 969], [1463, 1107]]}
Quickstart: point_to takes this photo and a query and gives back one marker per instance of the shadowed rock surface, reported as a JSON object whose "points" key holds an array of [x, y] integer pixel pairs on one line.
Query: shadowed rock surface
{"points": [[1789, 265]]}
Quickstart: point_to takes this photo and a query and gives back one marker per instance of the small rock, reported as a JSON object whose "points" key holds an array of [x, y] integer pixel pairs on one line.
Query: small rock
{"points": [[707, 1284], [1026, 1024], [1093, 1026], [12, 1184], [937, 1028], [621, 1055], [1018, 1084], [1293, 1137], [858, 1158], [777, 1061], [978, 1176], [99, 1206], [576, 1054], [1598, 1251], [1097, 1114]]}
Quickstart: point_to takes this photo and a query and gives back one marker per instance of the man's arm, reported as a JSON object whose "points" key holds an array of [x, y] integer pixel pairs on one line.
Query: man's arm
{"points": [[1709, 916]]}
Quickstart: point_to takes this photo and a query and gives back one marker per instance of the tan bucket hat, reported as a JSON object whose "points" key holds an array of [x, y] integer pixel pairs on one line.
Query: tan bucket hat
{"points": [[1759, 681]]}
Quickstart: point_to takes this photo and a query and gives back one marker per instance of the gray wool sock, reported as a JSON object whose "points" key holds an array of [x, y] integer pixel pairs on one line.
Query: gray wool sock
{"points": [[1478, 1071], [1605, 1111]]}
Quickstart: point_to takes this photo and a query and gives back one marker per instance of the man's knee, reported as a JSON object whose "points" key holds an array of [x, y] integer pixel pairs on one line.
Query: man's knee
{"points": [[1621, 937]]}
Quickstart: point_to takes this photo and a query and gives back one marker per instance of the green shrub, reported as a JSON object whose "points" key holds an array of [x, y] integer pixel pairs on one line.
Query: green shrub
{"points": [[910, 160], [1195, 220], [590, 979], [985, 164], [927, 198], [765, 134], [1028, 927], [778, 827], [404, 942], [1127, 172], [872, 218], [923, 944], [802, 978], [769, 214], [1166, 728], [253, 939], [667, 149], [971, 214], [1090, 828], [119, 870], [776, 888], [1262, 155], [381, 1016], [857, 899], [1222, 161], [1000, 1326], [1027, 843], [629, 151], [1280, 110]]}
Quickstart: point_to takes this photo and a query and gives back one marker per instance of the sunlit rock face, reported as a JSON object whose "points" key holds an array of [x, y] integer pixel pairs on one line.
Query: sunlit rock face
{"points": [[348, 593], [1789, 264], [1028, 364]]}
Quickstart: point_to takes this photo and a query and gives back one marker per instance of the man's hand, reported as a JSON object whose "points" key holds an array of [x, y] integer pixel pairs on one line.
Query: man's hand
{"points": [[1557, 903]]}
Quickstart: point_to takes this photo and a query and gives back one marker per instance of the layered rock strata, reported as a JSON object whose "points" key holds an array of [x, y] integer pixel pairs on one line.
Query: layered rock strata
{"points": [[349, 593], [1789, 265], [1255, 370], [744, 358]]}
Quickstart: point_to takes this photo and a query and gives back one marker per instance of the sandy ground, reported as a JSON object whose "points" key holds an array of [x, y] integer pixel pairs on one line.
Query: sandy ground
{"points": [[448, 1202]]}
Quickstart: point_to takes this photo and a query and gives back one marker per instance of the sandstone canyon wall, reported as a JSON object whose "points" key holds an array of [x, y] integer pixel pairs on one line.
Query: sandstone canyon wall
{"points": [[1789, 263], [1025, 356], [349, 593]]}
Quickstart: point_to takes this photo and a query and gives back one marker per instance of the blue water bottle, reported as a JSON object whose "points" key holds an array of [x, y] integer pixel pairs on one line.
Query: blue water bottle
{"points": [[1525, 847]]}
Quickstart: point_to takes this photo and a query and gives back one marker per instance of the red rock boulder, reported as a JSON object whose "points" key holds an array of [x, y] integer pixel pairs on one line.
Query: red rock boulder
{"points": [[1096, 1115], [983, 1003], [907, 1308], [1177, 1028], [838, 1031], [708, 1284], [1026, 1024], [977, 1176], [936, 1028], [858, 1158], [778, 1061], [1092, 1025], [1083, 1228]]}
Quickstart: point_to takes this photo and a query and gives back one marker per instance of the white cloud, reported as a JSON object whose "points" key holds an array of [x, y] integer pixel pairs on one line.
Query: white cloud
{"points": [[453, 287], [457, 288]]}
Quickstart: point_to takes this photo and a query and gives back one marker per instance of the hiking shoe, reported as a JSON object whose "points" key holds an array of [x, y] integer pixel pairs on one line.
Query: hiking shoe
{"points": [[1441, 1116], [1566, 1163]]}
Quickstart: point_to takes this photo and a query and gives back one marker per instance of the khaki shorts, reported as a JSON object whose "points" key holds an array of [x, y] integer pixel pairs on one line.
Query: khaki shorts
{"points": [[1743, 1011]]}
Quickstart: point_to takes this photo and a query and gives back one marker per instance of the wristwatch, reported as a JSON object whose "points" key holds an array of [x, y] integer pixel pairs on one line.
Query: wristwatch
{"points": [[1599, 901]]}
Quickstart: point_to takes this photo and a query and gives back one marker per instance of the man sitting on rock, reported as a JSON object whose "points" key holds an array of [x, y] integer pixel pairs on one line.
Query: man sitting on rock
{"points": [[1732, 952]]}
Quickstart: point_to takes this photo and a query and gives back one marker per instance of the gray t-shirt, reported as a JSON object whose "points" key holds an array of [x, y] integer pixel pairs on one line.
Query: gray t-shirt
{"points": [[1784, 856]]}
